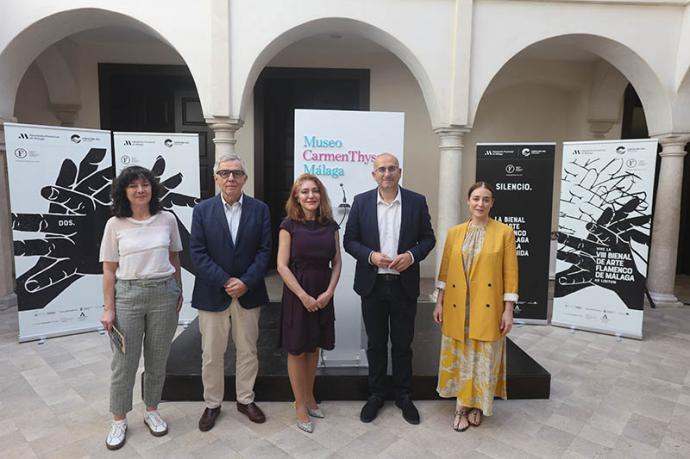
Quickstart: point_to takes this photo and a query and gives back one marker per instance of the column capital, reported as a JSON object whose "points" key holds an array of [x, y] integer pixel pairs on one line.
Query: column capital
{"points": [[600, 128], [451, 137], [6, 119], [673, 144], [224, 123], [66, 113], [224, 129]]}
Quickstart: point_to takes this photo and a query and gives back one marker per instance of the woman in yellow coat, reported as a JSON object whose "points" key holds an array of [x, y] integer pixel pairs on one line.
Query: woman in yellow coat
{"points": [[477, 290]]}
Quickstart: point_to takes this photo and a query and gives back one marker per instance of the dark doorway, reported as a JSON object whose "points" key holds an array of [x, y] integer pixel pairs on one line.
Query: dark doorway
{"points": [[156, 98], [634, 126], [277, 93]]}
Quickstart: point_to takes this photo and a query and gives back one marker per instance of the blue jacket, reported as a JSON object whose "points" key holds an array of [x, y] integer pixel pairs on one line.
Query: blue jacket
{"points": [[362, 236], [216, 257]]}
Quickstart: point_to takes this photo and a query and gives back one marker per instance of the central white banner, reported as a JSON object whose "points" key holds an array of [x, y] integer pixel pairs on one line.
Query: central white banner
{"points": [[340, 147]]}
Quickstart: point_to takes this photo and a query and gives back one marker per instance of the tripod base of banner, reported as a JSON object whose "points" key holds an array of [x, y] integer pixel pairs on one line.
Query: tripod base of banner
{"points": [[44, 336], [526, 379], [530, 321], [596, 330]]}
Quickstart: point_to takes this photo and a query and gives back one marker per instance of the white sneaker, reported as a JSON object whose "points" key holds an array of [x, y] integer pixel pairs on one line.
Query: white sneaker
{"points": [[155, 423], [117, 435]]}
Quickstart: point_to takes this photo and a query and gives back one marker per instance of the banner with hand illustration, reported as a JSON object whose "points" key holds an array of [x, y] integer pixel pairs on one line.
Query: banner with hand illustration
{"points": [[59, 182], [174, 160], [604, 235]]}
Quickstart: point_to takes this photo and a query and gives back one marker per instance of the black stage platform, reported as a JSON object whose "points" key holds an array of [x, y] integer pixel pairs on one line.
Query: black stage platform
{"points": [[526, 378]]}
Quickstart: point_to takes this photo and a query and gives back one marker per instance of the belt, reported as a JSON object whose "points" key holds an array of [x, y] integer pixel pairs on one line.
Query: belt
{"points": [[388, 277]]}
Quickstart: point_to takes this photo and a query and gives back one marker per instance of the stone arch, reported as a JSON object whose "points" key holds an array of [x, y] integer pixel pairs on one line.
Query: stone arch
{"points": [[63, 88], [342, 26], [681, 106], [647, 84], [34, 40], [608, 88]]}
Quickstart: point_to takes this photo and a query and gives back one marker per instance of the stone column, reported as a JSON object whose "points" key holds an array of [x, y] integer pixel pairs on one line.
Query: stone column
{"points": [[664, 252], [451, 189], [224, 129], [7, 296]]}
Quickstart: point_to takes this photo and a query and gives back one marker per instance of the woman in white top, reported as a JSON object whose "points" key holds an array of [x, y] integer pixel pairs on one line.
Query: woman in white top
{"points": [[142, 295]]}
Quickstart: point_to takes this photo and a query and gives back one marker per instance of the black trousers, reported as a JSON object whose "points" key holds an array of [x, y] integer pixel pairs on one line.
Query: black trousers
{"points": [[387, 312]]}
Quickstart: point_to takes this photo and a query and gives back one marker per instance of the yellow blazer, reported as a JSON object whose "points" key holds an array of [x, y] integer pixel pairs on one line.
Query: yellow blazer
{"points": [[493, 273]]}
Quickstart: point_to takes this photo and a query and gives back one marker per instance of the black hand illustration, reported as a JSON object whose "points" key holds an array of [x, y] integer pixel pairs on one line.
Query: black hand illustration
{"points": [[611, 236], [69, 234], [170, 199]]}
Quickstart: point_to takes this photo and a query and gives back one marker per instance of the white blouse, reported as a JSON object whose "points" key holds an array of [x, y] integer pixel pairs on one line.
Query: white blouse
{"points": [[141, 247]]}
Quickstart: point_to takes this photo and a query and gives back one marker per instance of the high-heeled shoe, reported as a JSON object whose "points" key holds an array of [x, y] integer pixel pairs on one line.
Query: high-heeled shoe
{"points": [[307, 427], [316, 413]]}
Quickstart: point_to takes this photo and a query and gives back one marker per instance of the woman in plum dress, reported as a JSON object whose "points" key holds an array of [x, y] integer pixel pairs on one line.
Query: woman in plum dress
{"points": [[309, 264]]}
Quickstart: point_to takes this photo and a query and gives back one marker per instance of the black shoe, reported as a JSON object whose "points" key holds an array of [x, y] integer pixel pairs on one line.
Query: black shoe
{"points": [[208, 419], [409, 411], [370, 409]]}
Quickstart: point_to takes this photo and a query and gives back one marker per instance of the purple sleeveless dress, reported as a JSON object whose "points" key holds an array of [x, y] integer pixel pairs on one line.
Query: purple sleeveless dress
{"points": [[311, 251]]}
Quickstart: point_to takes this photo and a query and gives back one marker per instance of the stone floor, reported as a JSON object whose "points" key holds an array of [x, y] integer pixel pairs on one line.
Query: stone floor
{"points": [[610, 398]]}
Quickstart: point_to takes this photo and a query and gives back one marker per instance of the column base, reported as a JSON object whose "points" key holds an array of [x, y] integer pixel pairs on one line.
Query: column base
{"points": [[8, 301], [665, 299]]}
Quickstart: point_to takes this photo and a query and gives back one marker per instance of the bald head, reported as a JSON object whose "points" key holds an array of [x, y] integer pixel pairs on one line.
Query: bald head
{"points": [[387, 174], [385, 157]]}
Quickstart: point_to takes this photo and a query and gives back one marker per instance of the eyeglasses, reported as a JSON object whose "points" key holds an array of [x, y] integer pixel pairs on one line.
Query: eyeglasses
{"points": [[225, 173], [390, 169]]}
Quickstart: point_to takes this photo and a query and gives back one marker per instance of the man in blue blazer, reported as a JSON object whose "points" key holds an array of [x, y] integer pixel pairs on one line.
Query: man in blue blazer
{"points": [[230, 246], [389, 232]]}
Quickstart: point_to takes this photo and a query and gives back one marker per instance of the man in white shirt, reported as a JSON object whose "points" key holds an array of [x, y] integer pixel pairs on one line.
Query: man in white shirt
{"points": [[389, 232], [230, 246]]}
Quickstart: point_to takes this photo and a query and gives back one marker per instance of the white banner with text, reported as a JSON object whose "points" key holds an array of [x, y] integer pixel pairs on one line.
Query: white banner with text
{"points": [[340, 148], [59, 182], [174, 160], [604, 232]]}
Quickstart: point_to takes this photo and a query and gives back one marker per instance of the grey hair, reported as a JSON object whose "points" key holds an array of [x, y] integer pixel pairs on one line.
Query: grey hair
{"points": [[228, 157]]}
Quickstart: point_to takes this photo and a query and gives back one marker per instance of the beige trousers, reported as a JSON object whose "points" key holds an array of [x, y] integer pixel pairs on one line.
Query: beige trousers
{"points": [[215, 328]]}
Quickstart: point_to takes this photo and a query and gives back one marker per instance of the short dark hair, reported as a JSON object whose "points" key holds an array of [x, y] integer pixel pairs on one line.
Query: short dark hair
{"points": [[486, 185], [120, 205]]}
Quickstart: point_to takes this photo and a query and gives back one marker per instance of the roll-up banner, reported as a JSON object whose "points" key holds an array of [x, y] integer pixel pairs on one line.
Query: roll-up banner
{"points": [[340, 147], [59, 182], [522, 174], [604, 235], [174, 160]]}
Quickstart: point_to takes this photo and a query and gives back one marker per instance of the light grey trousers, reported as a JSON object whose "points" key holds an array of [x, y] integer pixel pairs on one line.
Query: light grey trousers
{"points": [[145, 314]]}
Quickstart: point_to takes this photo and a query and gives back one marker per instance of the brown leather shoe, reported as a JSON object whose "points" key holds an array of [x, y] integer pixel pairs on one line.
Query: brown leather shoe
{"points": [[208, 419], [252, 411]]}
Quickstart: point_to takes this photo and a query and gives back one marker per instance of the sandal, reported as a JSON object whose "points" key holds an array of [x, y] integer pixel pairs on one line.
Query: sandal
{"points": [[458, 424], [474, 417]]}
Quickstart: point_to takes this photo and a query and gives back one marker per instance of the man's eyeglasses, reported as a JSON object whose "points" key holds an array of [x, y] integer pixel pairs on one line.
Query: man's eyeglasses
{"points": [[225, 173], [390, 169]]}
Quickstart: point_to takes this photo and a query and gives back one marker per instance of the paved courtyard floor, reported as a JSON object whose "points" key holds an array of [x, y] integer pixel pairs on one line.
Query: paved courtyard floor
{"points": [[609, 398]]}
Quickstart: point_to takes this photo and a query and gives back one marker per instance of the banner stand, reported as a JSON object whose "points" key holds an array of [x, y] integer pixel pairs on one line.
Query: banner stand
{"points": [[604, 235], [340, 146], [59, 184], [522, 174], [173, 158]]}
